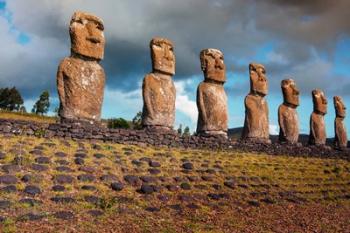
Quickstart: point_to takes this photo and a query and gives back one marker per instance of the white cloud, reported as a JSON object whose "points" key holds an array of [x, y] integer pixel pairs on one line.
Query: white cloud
{"points": [[122, 104], [278, 58], [273, 129], [183, 102]]}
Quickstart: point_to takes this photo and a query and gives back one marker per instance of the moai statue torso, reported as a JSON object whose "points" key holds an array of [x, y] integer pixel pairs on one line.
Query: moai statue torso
{"points": [[287, 114], [317, 125], [158, 88], [211, 96], [340, 139], [256, 123], [80, 77]]}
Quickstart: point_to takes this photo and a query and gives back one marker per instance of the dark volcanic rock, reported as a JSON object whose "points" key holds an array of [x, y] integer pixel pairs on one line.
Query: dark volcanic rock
{"points": [[63, 199], [42, 160], [64, 215], [187, 166], [63, 179], [31, 217], [39, 167], [154, 164], [32, 190], [8, 189], [8, 179], [86, 178], [117, 186], [10, 168], [4, 204], [58, 188], [88, 187], [132, 180]]}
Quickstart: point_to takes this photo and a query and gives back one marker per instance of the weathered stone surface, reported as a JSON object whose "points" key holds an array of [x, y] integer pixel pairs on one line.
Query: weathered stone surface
{"points": [[211, 96], [340, 139], [80, 78], [158, 89], [256, 123], [287, 115], [317, 125]]}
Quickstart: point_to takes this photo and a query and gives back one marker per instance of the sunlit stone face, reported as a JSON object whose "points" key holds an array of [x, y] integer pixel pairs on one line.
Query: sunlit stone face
{"points": [[87, 36], [258, 80], [340, 109], [319, 101], [163, 57], [290, 92], [212, 64]]}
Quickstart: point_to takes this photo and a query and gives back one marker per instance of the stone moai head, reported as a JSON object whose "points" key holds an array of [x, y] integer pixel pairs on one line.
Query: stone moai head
{"points": [[87, 37], [320, 102], [162, 54], [258, 80], [290, 92], [340, 109], [212, 64]]}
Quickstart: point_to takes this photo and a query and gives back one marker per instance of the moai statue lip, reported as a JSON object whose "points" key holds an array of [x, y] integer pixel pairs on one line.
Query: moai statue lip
{"points": [[213, 66], [258, 80], [87, 36], [340, 109], [211, 96], [162, 55], [319, 102], [290, 93]]}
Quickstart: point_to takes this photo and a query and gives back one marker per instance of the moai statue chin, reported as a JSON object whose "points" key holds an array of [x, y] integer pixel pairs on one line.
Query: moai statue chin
{"points": [[80, 77], [287, 114], [340, 139], [158, 89], [317, 125], [256, 123], [211, 96]]}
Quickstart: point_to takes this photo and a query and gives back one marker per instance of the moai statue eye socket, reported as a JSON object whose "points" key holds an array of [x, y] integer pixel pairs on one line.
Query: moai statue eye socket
{"points": [[163, 57], [319, 101], [290, 92], [87, 36], [258, 80], [213, 66]]}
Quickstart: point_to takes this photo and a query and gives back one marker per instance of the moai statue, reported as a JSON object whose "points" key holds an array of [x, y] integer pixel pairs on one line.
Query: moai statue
{"points": [[317, 125], [256, 123], [287, 114], [80, 77], [158, 89], [340, 139], [211, 96]]}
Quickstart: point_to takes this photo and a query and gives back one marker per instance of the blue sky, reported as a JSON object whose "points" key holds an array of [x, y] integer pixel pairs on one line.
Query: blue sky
{"points": [[309, 42]]}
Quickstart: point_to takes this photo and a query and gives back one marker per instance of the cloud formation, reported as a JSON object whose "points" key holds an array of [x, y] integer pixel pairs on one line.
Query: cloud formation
{"points": [[292, 38]]}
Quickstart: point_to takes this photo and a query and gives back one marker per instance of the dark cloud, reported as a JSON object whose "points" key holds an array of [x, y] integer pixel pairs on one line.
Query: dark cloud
{"points": [[298, 30]]}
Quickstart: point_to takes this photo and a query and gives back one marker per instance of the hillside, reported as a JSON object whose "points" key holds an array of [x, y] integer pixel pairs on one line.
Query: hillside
{"points": [[56, 185]]}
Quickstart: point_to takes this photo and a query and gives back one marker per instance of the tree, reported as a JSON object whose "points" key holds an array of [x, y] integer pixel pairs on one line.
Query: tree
{"points": [[137, 121], [186, 132], [10, 99], [118, 123], [22, 109], [43, 104], [179, 130]]}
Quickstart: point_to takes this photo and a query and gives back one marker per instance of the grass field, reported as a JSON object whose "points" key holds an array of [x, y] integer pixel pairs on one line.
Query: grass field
{"points": [[27, 117], [67, 186]]}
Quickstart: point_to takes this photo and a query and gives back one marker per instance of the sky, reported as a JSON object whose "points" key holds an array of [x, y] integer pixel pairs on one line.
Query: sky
{"points": [[308, 41]]}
